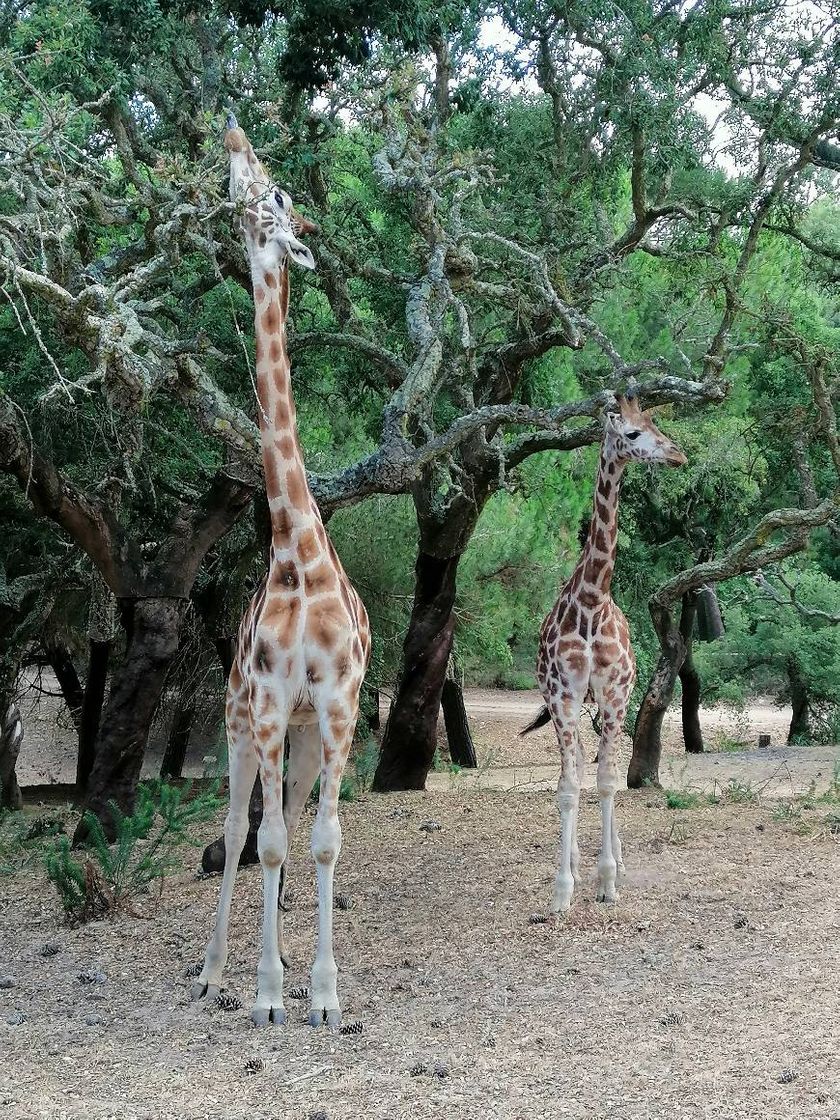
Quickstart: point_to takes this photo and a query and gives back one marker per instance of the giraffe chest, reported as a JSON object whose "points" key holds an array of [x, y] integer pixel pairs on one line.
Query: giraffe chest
{"points": [[305, 634], [584, 647]]}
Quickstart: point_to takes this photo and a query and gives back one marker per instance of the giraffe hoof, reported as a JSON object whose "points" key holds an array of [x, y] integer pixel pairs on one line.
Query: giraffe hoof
{"points": [[609, 898], [318, 1016], [262, 1016], [202, 990]]}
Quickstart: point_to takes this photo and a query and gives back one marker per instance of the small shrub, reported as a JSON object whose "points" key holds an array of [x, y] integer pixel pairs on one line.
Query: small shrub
{"points": [[738, 792], [682, 799], [106, 877], [22, 839]]}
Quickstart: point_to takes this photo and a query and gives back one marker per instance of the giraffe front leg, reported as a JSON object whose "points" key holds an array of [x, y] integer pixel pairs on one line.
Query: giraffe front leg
{"points": [[326, 846], [303, 767], [243, 769], [272, 846]]}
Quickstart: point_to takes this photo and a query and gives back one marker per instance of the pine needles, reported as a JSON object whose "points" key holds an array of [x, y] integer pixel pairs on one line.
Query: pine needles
{"points": [[108, 876]]}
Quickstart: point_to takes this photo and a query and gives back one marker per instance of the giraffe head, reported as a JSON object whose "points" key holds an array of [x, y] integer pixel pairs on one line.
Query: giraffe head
{"points": [[632, 437], [270, 223]]}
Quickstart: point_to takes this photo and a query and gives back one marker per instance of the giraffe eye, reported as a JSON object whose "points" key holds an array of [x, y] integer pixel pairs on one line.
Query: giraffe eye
{"points": [[633, 435]]}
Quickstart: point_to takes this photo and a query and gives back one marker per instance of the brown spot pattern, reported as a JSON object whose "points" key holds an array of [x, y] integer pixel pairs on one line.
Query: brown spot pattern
{"points": [[320, 579], [296, 488], [308, 548], [270, 321]]}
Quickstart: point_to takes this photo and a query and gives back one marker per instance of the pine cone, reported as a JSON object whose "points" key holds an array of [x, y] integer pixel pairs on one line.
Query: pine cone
{"points": [[298, 993], [418, 1069], [92, 975], [227, 1001], [254, 1065], [343, 902], [352, 1028], [50, 949], [672, 1019], [192, 971], [787, 1076], [537, 919]]}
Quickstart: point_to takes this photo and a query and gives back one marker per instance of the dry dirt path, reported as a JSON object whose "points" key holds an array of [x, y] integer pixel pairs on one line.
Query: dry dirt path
{"points": [[710, 991]]}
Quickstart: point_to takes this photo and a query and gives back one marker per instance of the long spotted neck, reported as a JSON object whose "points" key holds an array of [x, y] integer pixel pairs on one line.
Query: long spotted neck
{"points": [[598, 558], [289, 498]]}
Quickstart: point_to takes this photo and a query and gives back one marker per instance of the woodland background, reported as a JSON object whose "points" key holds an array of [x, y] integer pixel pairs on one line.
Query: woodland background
{"points": [[524, 208]]}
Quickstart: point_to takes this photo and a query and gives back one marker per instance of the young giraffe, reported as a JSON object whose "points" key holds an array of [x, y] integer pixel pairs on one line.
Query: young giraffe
{"points": [[585, 652], [304, 642]]}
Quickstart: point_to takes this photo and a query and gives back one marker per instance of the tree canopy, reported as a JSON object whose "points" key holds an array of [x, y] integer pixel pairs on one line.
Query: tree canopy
{"points": [[523, 209]]}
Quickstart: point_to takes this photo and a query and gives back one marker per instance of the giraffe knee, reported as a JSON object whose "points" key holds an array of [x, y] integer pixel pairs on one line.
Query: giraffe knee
{"points": [[236, 829], [567, 799], [326, 839], [272, 842]]}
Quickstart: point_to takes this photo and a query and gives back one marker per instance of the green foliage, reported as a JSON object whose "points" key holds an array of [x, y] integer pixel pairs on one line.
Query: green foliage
{"points": [[108, 877], [22, 839], [774, 648], [683, 799]]}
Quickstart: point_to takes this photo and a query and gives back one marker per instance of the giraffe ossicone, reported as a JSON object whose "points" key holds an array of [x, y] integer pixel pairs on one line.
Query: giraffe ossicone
{"points": [[585, 652], [304, 642]]}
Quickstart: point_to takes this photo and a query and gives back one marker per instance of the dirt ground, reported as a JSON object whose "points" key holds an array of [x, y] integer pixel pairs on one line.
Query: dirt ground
{"points": [[710, 990]]}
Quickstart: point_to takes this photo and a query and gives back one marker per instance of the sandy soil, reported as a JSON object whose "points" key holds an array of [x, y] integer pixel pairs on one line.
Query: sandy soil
{"points": [[710, 990]]}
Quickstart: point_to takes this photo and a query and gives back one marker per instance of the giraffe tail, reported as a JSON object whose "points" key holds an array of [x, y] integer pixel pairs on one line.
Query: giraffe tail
{"points": [[542, 717]]}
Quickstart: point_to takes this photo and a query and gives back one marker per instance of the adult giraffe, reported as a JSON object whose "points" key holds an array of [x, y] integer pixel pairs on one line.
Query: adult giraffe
{"points": [[304, 642], [585, 651]]}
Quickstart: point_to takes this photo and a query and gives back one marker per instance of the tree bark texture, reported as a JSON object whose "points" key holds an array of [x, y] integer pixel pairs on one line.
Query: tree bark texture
{"points": [[178, 741], [461, 746], [800, 729], [91, 714], [68, 679], [152, 632], [11, 738], [709, 619], [408, 746], [689, 677], [647, 736]]}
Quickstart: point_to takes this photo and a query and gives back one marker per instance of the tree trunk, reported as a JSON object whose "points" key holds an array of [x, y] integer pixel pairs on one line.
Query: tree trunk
{"points": [[369, 707], [11, 738], [408, 746], [152, 627], [226, 649], [68, 679], [91, 714], [213, 856], [647, 737], [690, 678], [800, 729], [709, 619], [461, 746], [177, 742]]}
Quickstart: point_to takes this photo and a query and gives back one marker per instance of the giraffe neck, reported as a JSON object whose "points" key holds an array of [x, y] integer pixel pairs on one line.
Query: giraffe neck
{"points": [[289, 498], [598, 559]]}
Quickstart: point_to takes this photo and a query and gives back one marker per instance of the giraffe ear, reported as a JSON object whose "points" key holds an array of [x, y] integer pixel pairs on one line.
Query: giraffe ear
{"points": [[299, 253]]}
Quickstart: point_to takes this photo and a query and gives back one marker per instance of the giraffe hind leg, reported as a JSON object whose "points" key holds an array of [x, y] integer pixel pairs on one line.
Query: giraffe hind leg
{"points": [[326, 846], [609, 861]]}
